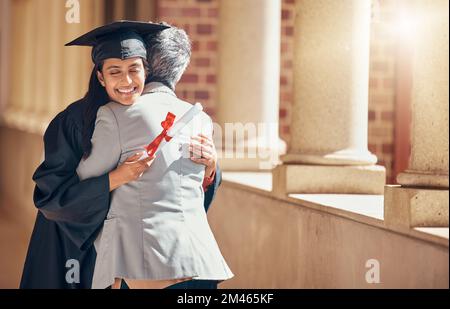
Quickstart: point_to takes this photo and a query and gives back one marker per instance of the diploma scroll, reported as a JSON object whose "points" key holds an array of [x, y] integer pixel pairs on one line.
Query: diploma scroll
{"points": [[185, 119], [171, 129]]}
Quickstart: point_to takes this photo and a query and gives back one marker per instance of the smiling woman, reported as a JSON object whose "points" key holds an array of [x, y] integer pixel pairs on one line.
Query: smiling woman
{"points": [[118, 53], [61, 197], [123, 79]]}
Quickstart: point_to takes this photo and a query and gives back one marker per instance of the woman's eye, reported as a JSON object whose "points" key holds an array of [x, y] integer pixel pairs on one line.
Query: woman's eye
{"points": [[115, 72], [135, 71]]}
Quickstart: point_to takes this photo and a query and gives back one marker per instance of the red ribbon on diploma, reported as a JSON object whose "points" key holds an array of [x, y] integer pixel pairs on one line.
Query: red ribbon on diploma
{"points": [[166, 124]]}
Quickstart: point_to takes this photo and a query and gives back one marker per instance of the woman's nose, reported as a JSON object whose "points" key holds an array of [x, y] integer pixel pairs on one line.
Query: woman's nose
{"points": [[126, 79]]}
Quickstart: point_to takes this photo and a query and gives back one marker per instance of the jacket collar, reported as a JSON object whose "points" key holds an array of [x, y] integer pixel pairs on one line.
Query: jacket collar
{"points": [[154, 87]]}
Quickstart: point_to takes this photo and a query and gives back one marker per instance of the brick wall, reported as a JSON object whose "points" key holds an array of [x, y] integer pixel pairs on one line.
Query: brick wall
{"points": [[381, 84], [382, 87], [200, 19], [286, 69]]}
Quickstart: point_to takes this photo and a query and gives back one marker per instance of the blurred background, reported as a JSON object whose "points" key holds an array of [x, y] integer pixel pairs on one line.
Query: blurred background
{"points": [[254, 49]]}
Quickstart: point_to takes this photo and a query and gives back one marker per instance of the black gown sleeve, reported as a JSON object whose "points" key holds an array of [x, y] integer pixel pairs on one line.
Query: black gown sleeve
{"points": [[212, 189], [78, 207]]}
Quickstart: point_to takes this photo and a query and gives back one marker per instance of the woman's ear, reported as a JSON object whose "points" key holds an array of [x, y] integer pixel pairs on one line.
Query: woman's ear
{"points": [[100, 78]]}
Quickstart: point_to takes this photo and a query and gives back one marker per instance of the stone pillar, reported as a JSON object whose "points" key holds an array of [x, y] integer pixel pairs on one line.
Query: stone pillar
{"points": [[423, 198], [40, 32], [249, 72], [5, 39], [328, 151]]}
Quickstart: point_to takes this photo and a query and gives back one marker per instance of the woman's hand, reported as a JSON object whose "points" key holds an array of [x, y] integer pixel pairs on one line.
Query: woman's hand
{"points": [[203, 151], [130, 170]]}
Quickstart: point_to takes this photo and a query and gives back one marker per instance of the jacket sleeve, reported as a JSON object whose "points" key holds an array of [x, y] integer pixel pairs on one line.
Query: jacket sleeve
{"points": [[210, 193], [106, 149], [78, 207]]}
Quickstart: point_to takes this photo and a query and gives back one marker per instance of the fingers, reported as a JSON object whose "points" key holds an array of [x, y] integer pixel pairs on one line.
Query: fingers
{"points": [[148, 161], [134, 157], [204, 147], [203, 136], [138, 168], [200, 150], [204, 156], [201, 155], [144, 163], [202, 139], [200, 161], [200, 144]]}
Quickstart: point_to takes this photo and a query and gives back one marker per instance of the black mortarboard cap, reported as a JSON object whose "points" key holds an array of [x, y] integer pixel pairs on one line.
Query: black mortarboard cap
{"points": [[121, 39]]}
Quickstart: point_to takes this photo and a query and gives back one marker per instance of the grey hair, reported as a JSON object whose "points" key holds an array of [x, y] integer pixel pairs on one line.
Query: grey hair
{"points": [[168, 54]]}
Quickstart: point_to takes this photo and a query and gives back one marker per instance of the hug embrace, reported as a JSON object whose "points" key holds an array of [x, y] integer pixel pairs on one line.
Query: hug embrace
{"points": [[132, 214]]}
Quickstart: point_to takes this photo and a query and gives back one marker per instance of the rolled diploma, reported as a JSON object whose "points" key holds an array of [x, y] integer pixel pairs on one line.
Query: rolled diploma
{"points": [[181, 123], [185, 119]]}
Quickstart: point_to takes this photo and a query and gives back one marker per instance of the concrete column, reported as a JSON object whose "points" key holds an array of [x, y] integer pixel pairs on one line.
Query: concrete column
{"points": [[422, 199], [77, 71], [328, 151], [5, 29], [249, 72], [40, 32]]}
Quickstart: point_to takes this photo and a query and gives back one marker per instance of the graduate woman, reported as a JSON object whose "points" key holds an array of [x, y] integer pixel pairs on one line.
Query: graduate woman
{"points": [[71, 212]]}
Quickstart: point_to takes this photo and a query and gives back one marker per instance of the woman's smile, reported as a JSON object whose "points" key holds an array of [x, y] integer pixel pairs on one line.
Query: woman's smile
{"points": [[123, 80], [127, 91]]}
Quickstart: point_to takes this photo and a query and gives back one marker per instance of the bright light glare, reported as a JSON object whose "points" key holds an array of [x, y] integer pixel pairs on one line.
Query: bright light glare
{"points": [[406, 24]]}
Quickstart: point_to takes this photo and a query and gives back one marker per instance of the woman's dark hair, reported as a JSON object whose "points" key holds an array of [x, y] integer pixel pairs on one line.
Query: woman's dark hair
{"points": [[93, 100]]}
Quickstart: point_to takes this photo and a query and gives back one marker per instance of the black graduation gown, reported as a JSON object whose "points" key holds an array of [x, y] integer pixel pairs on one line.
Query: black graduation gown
{"points": [[70, 212]]}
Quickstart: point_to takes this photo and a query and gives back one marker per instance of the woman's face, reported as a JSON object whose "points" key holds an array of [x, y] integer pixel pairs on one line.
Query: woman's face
{"points": [[123, 80]]}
